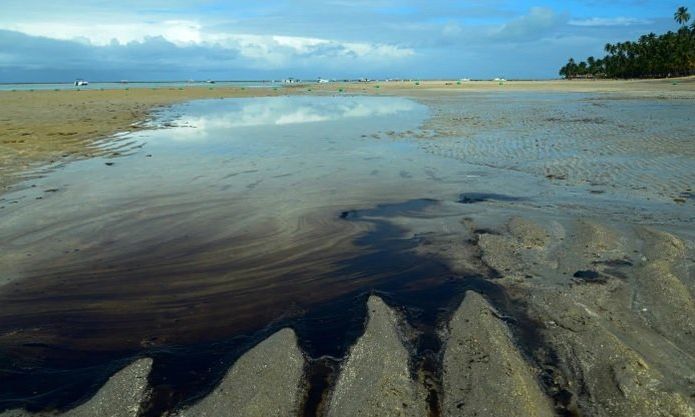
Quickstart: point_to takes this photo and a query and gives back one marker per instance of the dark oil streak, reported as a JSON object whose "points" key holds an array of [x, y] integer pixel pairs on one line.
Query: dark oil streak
{"points": [[321, 375], [427, 297], [327, 330], [422, 288], [472, 198], [185, 372], [531, 342]]}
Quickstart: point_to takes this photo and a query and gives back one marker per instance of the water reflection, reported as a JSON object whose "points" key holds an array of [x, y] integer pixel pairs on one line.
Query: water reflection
{"points": [[206, 119]]}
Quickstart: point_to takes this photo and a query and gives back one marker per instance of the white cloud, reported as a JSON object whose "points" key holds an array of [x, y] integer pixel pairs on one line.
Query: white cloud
{"points": [[269, 50], [179, 32], [609, 21], [281, 111], [532, 26], [279, 50]]}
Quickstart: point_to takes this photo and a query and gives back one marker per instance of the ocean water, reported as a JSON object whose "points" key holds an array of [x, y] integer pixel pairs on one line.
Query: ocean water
{"points": [[135, 84]]}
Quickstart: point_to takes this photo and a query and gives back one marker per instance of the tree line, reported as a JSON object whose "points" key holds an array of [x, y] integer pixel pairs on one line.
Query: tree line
{"points": [[652, 56]]}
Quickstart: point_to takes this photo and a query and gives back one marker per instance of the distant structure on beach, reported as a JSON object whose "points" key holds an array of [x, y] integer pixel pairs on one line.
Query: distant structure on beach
{"points": [[80, 82], [290, 80], [322, 80]]}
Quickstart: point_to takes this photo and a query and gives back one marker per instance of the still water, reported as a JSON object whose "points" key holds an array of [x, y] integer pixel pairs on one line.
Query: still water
{"points": [[228, 219], [196, 237]]}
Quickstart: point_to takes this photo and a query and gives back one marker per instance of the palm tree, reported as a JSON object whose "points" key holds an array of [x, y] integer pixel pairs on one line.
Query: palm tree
{"points": [[670, 54], [682, 16], [571, 68]]}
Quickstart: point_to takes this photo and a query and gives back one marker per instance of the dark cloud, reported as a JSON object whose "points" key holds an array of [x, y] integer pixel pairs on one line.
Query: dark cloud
{"points": [[63, 60], [30, 58]]}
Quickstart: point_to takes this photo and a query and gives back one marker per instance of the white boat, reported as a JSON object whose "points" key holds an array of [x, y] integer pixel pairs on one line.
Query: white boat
{"points": [[81, 83], [322, 81]]}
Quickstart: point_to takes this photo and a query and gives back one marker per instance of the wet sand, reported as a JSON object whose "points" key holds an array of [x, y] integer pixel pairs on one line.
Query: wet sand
{"points": [[54, 127], [583, 259]]}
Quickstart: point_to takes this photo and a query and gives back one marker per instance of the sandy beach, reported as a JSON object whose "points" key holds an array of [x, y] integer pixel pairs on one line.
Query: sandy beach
{"points": [[439, 249], [40, 127]]}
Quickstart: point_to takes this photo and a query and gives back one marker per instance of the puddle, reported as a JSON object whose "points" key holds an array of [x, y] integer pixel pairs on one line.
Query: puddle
{"points": [[230, 220], [214, 231]]}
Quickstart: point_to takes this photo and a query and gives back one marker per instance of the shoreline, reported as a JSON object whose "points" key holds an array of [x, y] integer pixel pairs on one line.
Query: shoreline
{"points": [[54, 127]]}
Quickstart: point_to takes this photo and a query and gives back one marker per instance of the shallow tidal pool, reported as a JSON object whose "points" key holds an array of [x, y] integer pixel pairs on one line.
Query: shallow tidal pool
{"points": [[225, 220]]}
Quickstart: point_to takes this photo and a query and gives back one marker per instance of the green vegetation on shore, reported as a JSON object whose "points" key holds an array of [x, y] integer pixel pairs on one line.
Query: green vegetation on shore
{"points": [[652, 56]]}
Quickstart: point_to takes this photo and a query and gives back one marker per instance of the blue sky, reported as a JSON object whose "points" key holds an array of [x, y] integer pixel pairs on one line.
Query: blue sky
{"points": [[60, 40]]}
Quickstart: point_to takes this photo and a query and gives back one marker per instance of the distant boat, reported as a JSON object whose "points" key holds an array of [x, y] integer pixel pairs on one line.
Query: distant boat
{"points": [[210, 81], [80, 83]]}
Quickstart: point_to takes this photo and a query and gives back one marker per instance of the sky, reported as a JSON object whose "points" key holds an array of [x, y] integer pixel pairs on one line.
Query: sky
{"points": [[99, 40]]}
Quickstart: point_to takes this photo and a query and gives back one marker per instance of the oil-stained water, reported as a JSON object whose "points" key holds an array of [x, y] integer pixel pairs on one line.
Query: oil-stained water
{"points": [[233, 218], [198, 238]]}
